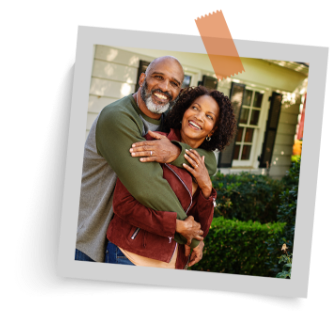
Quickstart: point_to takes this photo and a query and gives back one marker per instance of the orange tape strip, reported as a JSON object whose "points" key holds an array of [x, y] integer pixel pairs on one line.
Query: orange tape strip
{"points": [[219, 45]]}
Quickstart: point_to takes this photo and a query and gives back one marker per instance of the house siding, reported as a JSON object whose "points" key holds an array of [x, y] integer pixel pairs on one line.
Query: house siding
{"points": [[283, 148]]}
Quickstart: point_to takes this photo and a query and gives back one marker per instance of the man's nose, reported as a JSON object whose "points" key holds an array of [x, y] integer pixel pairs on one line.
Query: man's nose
{"points": [[164, 85]]}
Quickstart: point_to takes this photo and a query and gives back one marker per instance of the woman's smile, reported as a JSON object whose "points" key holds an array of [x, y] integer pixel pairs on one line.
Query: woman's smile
{"points": [[194, 125]]}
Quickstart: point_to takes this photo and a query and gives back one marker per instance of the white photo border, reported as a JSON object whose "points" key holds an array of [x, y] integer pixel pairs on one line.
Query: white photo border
{"points": [[297, 286]]}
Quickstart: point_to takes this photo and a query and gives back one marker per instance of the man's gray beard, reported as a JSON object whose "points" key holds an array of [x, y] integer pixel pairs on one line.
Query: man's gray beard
{"points": [[152, 107], [155, 108]]}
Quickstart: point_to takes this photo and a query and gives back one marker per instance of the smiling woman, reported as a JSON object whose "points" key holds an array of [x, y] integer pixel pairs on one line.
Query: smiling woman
{"points": [[204, 112]]}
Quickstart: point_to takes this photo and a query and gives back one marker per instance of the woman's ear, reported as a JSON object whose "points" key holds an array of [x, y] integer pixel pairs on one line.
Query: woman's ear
{"points": [[212, 132]]}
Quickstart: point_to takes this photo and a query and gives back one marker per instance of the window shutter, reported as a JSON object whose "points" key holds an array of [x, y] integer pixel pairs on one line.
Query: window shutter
{"points": [[271, 130], [236, 97], [209, 82]]}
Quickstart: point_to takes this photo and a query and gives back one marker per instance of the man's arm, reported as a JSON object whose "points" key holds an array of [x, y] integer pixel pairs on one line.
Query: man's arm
{"points": [[166, 151], [157, 222], [210, 158], [116, 131]]}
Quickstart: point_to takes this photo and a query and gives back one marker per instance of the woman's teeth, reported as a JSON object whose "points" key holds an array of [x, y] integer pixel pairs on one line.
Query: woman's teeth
{"points": [[195, 125]]}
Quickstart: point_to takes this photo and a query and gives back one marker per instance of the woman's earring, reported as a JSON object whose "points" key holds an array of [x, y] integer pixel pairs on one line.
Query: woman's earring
{"points": [[208, 138]]}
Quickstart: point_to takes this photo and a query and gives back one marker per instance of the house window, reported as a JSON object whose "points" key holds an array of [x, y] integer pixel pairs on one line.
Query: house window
{"points": [[247, 125], [209, 82], [186, 81]]}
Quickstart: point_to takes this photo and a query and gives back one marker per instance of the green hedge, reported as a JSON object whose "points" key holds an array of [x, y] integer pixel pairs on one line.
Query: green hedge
{"points": [[237, 247], [286, 214], [247, 197]]}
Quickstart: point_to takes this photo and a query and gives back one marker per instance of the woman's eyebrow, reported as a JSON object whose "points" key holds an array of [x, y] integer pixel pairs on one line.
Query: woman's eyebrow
{"points": [[201, 107]]}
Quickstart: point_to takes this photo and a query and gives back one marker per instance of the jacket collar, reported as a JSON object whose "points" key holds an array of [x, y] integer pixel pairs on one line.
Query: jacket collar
{"points": [[174, 135]]}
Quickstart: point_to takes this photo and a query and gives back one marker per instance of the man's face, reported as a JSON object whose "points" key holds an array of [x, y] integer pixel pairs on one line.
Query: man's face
{"points": [[162, 85]]}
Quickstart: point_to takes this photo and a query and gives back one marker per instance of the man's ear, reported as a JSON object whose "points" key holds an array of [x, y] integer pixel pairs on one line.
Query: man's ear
{"points": [[141, 79]]}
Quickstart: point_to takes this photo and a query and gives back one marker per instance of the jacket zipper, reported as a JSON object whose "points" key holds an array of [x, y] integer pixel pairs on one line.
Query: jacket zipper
{"points": [[179, 178], [191, 201], [135, 233]]}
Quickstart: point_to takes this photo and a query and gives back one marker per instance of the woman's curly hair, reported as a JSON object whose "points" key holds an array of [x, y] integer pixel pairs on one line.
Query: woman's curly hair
{"points": [[226, 123]]}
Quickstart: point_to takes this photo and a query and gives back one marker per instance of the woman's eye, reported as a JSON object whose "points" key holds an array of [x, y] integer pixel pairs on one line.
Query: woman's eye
{"points": [[210, 117]]}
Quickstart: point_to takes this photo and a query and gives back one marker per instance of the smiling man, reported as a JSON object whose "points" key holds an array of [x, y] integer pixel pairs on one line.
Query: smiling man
{"points": [[120, 126]]}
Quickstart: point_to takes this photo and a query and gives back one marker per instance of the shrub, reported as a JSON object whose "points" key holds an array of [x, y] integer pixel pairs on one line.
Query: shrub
{"points": [[286, 214], [247, 197], [292, 177], [237, 247], [286, 259]]}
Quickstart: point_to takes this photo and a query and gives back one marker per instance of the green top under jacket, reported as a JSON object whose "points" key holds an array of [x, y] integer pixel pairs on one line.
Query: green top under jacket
{"points": [[106, 157]]}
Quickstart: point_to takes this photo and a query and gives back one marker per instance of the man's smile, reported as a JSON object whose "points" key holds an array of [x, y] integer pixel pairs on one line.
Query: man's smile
{"points": [[161, 97]]}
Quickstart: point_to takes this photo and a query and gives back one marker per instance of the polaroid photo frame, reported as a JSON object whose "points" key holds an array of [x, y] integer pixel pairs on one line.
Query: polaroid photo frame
{"points": [[297, 286]]}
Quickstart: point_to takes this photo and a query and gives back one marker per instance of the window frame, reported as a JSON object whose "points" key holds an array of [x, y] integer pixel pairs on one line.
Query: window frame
{"points": [[253, 143]]}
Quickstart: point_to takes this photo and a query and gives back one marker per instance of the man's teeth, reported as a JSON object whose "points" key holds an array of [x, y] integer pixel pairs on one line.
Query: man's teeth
{"points": [[161, 96], [192, 123]]}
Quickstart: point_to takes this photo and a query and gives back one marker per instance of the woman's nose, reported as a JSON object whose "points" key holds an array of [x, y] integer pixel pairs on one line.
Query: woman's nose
{"points": [[199, 116]]}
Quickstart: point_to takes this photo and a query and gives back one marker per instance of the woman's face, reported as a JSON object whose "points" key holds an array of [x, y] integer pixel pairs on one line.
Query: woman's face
{"points": [[199, 120]]}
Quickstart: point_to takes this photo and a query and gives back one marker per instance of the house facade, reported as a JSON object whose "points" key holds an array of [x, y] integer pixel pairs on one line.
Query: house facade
{"points": [[267, 98]]}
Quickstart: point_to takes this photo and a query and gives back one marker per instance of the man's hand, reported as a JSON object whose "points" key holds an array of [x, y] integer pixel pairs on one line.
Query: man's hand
{"points": [[197, 254], [161, 150], [190, 229]]}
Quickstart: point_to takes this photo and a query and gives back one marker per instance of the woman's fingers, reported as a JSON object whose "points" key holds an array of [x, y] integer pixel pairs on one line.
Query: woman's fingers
{"points": [[192, 158], [193, 154], [189, 169]]}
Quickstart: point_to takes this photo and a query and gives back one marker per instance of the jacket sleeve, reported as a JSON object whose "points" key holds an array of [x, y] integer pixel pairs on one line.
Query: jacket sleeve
{"points": [[203, 209], [210, 158], [116, 131], [129, 209]]}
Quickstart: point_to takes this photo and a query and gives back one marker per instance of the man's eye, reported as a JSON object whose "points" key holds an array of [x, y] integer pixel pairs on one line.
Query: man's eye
{"points": [[175, 84]]}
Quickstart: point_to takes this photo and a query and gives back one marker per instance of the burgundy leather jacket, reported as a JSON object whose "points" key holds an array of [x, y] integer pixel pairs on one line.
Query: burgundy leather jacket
{"points": [[150, 233]]}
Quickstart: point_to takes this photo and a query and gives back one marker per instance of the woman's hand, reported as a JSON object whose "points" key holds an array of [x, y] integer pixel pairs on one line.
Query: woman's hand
{"points": [[196, 255], [199, 171]]}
